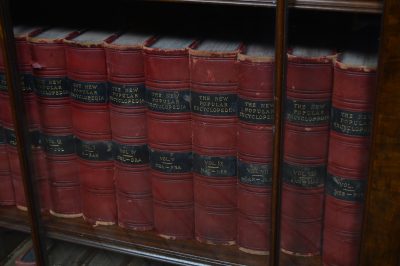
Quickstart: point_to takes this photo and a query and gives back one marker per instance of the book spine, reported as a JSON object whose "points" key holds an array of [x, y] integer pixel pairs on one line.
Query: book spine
{"points": [[129, 135], [306, 132], [352, 106], [214, 85], [28, 87], [87, 74], [6, 185], [52, 94], [254, 146], [170, 141]]}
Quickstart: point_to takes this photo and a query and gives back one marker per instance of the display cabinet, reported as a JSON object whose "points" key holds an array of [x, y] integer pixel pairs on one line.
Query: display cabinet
{"points": [[286, 27]]}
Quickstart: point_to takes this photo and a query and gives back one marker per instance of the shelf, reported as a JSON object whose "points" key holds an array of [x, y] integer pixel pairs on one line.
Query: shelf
{"points": [[359, 6], [14, 219], [147, 244], [286, 260]]}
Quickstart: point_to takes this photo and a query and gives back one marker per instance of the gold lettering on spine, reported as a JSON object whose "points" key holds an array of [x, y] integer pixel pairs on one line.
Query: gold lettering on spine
{"points": [[257, 111], [214, 104]]}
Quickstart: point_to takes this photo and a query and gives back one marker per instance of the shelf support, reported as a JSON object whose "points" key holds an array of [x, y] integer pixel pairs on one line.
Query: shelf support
{"points": [[21, 131], [279, 85], [380, 243]]}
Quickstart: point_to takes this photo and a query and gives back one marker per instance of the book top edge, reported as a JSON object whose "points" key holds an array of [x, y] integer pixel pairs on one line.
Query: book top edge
{"points": [[214, 45], [311, 52], [260, 50], [358, 59], [93, 37], [23, 30], [172, 43], [130, 38], [55, 33]]}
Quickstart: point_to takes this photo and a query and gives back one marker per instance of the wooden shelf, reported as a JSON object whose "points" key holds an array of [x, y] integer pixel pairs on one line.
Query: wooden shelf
{"points": [[359, 6], [14, 219], [147, 244], [288, 260]]}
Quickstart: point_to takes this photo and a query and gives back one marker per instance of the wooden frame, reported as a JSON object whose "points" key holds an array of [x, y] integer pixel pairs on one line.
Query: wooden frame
{"points": [[381, 230]]}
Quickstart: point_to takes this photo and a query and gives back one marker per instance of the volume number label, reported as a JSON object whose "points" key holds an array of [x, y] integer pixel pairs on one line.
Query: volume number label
{"points": [[304, 176], [214, 166], [255, 174]]}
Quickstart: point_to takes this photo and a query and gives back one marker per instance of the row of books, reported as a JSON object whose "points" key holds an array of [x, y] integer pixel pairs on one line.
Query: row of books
{"points": [[176, 134]]}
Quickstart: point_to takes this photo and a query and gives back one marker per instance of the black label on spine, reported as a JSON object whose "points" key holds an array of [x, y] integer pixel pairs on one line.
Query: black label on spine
{"points": [[2, 135], [35, 138], [89, 92], [59, 145], [308, 113], [304, 176], [168, 101], [27, 83], [255, 174], [214, 104], [171, 162], [52, 87], [10, 136], [127, 94], [94, 150], [214, 166], [351, 123], [345, 189], [260, 112], [131, 154], [3, 82]]}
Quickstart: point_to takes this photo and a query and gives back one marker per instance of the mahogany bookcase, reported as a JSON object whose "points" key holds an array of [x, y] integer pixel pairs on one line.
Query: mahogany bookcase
{"points": [[381, 229]]}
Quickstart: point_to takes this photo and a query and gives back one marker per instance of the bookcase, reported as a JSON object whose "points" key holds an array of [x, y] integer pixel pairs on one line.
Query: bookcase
{"points": [[366, 22]]}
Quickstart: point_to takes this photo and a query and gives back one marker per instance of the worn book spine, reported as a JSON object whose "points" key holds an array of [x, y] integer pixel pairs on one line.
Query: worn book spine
{"points": [[306, 135], [129, 135], [87, 74], [254, 146], [6, 187], [52, 95], [52, 92], [352, 105], [170, 140], [214, 85], [24, 61]]}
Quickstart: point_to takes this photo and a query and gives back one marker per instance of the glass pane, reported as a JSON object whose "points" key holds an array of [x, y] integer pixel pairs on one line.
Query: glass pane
{"points": [[147, 137], [331, 81]]}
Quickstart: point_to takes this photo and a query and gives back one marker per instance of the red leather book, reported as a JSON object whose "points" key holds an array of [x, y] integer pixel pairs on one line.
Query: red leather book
{"points": [[21, 34], [214, 85], [169, 134], [87, 73], [306, 132], [129, 131], [6, 187], [256, 115], [52, 93], [354, 86]]}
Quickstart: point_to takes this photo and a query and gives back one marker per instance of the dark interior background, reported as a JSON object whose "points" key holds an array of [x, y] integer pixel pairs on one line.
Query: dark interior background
{"points": [[336, 29]]}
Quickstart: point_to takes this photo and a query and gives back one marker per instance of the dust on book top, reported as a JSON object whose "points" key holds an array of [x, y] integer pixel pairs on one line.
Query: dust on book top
{"points": [[55, 33], [93, 37], [172, 43], [130, 38], [259, 49], [214, 45]]}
